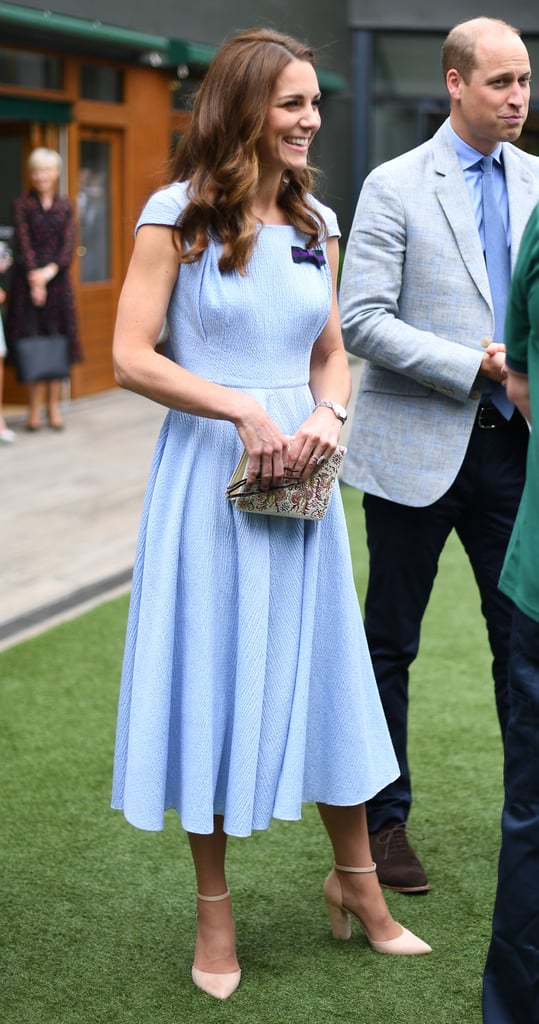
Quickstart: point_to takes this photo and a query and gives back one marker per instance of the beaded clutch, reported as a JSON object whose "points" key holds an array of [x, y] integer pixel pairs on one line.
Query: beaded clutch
{"points": [[299, 499]]}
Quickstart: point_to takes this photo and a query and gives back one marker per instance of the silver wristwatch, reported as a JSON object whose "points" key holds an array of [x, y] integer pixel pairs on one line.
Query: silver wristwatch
{"points": [[339, 410]]}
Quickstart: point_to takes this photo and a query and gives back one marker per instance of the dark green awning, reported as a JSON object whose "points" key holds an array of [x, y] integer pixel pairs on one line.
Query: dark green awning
{"points": [[48, 25], [156, 51], [201, 54], [23, 108]]}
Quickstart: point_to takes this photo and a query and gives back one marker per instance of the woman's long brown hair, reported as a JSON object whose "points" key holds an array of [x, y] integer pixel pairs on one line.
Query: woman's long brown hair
{"points": [[218, 153]]}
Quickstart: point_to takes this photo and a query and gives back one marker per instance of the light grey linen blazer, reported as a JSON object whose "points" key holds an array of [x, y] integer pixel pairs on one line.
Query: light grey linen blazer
{"points": [[415, 303]]}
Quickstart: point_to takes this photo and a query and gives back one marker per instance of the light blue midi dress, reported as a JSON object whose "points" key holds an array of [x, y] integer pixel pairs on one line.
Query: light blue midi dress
{"points": [[247, 686]]}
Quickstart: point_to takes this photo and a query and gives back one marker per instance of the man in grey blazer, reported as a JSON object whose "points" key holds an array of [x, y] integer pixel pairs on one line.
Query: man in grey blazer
{"points": [[435, 445]]}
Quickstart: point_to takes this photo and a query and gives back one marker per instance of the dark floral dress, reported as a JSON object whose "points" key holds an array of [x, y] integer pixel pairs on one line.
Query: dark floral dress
{"points": [[41, 237]]}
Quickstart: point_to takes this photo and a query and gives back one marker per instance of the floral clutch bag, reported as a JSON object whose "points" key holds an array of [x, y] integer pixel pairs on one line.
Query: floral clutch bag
{"points": [[299, 499]]}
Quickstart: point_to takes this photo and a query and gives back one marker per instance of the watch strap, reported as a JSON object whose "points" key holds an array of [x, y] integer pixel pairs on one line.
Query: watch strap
{"points": [[339, 410]]}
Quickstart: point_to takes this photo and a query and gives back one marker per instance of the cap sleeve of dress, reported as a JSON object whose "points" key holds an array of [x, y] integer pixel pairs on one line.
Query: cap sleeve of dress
{"points": [[328, 216], [164, 207]]}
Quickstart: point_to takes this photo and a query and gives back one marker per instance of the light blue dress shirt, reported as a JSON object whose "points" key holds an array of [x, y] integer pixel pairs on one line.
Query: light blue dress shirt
{"points": [[469, 156]]}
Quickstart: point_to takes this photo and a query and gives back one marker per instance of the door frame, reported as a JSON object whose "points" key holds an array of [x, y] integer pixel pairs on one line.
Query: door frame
{"points": [[97, 300]]}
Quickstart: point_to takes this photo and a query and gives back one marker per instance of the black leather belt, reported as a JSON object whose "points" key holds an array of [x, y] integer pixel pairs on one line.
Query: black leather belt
{"points": [[489, 418]]}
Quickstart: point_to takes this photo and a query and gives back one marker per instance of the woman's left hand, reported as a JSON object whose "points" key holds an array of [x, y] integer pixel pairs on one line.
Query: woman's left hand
{"points": [[314, 442], [38, 294], [38, 280]]}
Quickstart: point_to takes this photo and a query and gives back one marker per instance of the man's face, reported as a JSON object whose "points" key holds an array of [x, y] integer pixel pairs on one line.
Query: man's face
{"points": [[493, 105]]}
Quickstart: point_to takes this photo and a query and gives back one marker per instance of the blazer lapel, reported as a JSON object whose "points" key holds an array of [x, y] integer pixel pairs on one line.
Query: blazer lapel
{"points": [[521, 185], [454, 198]]}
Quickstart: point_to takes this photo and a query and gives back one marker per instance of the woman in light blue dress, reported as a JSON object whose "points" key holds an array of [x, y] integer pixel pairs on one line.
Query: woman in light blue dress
{"points": [[247, 687]]}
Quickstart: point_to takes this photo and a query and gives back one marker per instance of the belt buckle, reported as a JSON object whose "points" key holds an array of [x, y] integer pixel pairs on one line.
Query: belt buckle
{"points": [[484, 411]]}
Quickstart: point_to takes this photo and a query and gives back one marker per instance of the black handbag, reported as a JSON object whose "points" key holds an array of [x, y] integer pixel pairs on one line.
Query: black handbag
{"points": [[42, 357]]}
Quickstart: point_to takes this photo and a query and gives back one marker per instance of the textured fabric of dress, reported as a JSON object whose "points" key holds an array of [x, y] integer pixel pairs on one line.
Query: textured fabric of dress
{"points": [[41, 237], [247, 687]]}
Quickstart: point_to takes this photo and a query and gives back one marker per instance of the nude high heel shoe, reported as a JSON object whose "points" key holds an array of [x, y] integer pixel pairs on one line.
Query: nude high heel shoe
{"points": [[220, 986], [404, 944]]}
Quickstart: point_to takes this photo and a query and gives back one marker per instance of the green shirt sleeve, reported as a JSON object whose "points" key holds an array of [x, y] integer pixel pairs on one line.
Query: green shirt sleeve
{"points": [[517, 318]]}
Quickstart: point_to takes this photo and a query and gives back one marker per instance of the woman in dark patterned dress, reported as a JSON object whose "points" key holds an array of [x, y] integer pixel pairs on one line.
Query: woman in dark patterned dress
{"points": [[7, 436], [41, 298]]}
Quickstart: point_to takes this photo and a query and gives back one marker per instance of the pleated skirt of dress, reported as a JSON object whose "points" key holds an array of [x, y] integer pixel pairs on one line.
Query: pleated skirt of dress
{"points": [[247, 687]]}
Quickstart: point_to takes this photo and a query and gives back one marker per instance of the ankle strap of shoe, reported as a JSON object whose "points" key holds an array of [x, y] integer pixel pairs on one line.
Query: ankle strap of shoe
{"points": [[213, 899], [356, 871]]}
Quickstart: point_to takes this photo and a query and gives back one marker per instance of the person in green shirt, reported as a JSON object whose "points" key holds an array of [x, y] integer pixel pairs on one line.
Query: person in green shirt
{"points": [[511, 977]]}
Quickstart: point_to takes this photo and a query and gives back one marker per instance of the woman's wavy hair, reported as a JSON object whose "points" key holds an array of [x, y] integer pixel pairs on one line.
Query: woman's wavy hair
{"points": [[218, 154]]}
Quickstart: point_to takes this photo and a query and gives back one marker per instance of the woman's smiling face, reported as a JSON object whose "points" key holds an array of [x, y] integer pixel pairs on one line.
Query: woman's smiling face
{"points": [[292, 119]]}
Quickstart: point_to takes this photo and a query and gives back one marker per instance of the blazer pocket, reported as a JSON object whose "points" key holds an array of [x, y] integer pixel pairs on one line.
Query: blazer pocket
{"points": [[386, 382]]}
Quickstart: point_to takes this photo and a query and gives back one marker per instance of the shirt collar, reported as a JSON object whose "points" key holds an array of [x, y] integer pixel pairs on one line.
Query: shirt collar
{"points": [[467, 155]]}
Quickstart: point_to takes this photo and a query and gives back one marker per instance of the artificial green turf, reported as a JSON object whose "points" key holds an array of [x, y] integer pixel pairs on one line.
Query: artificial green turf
{"points": [[97, 919]]}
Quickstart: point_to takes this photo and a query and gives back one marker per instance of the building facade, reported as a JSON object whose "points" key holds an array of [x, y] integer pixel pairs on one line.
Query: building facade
{"points": [[110, 87]]}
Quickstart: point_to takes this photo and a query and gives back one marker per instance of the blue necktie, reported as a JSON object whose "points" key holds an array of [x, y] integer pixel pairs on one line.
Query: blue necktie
{"points": [[499, 274]]}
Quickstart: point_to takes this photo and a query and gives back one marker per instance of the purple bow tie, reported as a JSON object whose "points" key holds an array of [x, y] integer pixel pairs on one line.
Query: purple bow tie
{"points": [[315, 256]]}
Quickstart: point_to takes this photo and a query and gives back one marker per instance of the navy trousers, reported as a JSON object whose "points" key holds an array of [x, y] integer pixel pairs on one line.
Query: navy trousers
{"points": [[405, 544], [511, 979]]}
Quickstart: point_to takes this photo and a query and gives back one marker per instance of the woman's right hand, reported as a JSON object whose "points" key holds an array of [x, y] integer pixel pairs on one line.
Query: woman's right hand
{"points": [[265, 443]]}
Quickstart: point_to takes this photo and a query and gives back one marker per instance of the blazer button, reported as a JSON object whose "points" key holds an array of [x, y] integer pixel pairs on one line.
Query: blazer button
{"points": [[475, 394], [485, 342]]}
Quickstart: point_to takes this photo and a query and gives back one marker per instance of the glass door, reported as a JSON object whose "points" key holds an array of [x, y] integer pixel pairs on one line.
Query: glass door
{"points": [[93, 203], [99, 208]]}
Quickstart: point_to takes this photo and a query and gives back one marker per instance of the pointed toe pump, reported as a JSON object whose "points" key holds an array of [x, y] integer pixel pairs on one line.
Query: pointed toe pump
{"points": [[220, 986], [405, 944]]}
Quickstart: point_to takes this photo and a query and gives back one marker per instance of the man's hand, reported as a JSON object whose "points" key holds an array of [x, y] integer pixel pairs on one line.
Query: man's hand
{"points": [[493, 363]]}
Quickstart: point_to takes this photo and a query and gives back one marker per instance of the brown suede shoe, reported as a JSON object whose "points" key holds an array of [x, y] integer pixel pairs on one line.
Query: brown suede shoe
{"points": [[397, 866]]}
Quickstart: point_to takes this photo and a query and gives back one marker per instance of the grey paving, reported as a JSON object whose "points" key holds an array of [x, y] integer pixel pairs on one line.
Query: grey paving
{"points": [[69, 509], [70, 506]]}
